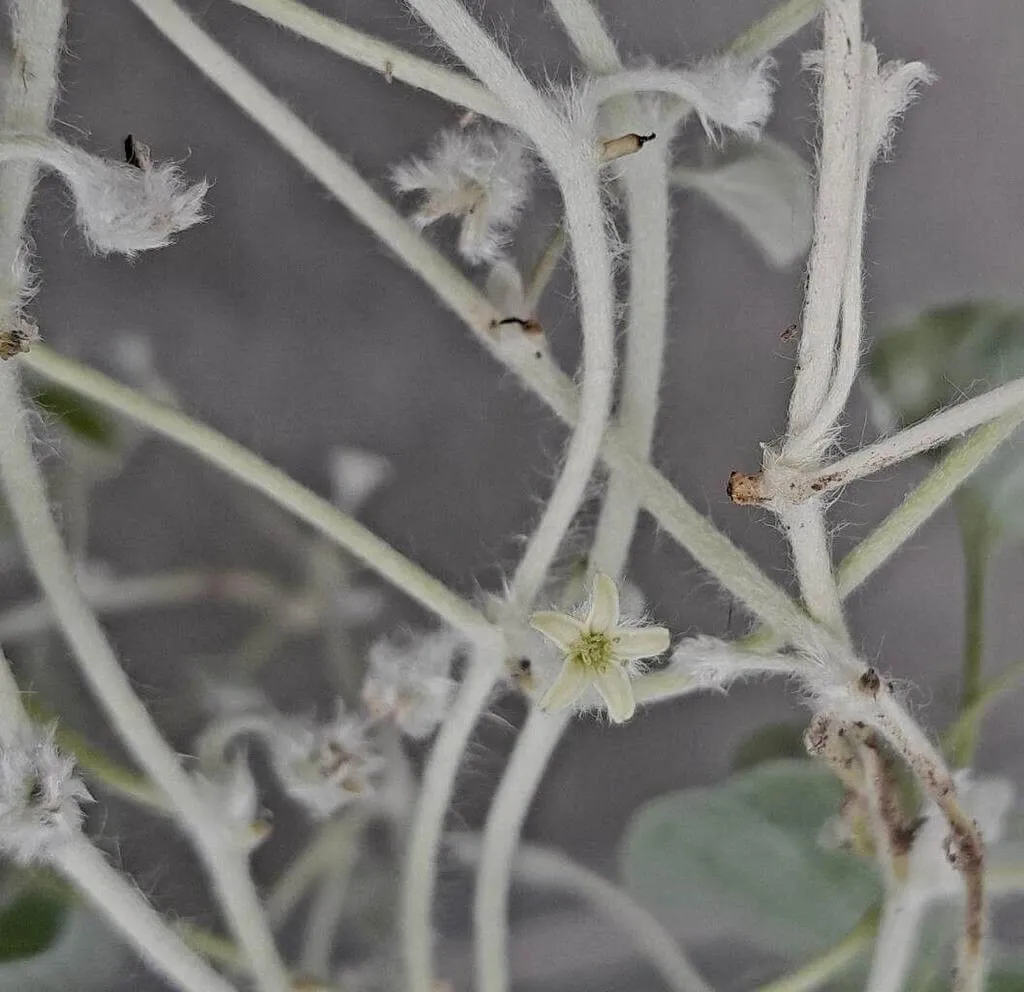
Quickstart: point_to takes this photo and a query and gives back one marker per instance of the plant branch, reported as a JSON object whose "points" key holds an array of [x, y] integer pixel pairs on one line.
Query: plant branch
{"points": [[224, 862], [389, 60], [249, 468], [923, 500]]}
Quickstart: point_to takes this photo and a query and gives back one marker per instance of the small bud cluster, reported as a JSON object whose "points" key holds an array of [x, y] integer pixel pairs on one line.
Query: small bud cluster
{"points": [[40, 796]]}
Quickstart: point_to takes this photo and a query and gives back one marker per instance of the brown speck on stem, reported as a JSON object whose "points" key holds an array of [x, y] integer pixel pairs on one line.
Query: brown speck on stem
{"points": [[746, 490], [16, 336], [870, 682]]}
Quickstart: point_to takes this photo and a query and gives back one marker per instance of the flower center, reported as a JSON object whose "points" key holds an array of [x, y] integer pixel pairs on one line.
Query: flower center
{"points": [[592, 650]]}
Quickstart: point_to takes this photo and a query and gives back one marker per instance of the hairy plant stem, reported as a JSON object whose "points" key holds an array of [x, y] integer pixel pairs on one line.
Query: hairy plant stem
{"points": [[225, 863], [392, 62], [899, 931], [110, 894]]}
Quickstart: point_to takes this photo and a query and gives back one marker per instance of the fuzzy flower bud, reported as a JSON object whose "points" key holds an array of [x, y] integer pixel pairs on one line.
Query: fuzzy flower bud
{"points": [[411, 683], [480, 175], [324, 768], [39, 797], [126, 208]]}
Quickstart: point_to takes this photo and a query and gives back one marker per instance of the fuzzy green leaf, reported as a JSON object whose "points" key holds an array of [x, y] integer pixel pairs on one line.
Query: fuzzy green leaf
{"points": [[746, 855], [30, 923]]}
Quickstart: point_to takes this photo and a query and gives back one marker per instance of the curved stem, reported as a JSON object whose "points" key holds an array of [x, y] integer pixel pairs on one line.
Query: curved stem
{"points": [[537, 740], [224, 862], [419, 874], [249, 468]]}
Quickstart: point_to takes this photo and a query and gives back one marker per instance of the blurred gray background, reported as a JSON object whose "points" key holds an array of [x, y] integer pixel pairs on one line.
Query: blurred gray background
{"points": [[283, 322]]}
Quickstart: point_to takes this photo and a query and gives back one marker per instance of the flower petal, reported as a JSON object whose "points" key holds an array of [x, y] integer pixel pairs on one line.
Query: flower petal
{"points": [[604, 604], [644, 642], [571, 683], [561, 628], [617, 691]]}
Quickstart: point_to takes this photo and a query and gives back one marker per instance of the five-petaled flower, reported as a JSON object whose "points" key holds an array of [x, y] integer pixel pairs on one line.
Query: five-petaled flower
{"points": [[600, 651]]}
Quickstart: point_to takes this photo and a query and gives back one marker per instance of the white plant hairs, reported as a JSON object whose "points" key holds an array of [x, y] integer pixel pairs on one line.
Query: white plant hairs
{"points": [[568, 639]]}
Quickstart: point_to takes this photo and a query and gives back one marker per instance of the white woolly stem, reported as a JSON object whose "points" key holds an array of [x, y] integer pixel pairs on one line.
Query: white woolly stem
{"points": [[930, 433], [546, 869], [896, 945], [574, 167], [837, 174], [923, 500], [27, 103], [249, 468], [142, 928], [225, 864], [805, 528], [389, 60], [588, 33], [419, 876], [537, 740], [648, 210], [735, 570]]}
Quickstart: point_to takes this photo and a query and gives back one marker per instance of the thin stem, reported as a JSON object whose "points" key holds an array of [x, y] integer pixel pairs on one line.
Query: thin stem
{"points": [[545, 869], [833, 962], [735, 570], [138, 923], [969, 721], [389, 60], [544, 270], [975, 537], [224, 862], [329, 902], [930, 433], [288, 890], [775, 27], [115, 596], [249, 468], [538, 738], [899, 932], [922, 501], [419, 875]]}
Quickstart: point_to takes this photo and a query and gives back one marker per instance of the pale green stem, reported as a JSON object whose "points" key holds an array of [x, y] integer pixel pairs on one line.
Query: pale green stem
{"points": [[287, 892], [329, 903], [383, 57], [28, 504], [115, 596], [419, 875], [775, 27], [923, 500], [976, 541], [537, 740], [249, 468], [969, 720], [833, 962]]}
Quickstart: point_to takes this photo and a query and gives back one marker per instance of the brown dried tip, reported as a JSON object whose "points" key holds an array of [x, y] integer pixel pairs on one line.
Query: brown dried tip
{"points": [[16, 336], [745, 490], [626, 144]]}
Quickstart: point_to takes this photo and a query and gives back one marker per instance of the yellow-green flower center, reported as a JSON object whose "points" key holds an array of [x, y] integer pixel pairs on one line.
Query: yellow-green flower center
{"points": [[592, 650]]}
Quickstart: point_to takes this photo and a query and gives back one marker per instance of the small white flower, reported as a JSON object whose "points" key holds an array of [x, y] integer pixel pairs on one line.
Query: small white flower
{"points": [[127, 208], [324, 768], [600, 651], [40, 796], [480, 175], [411, 683]]}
